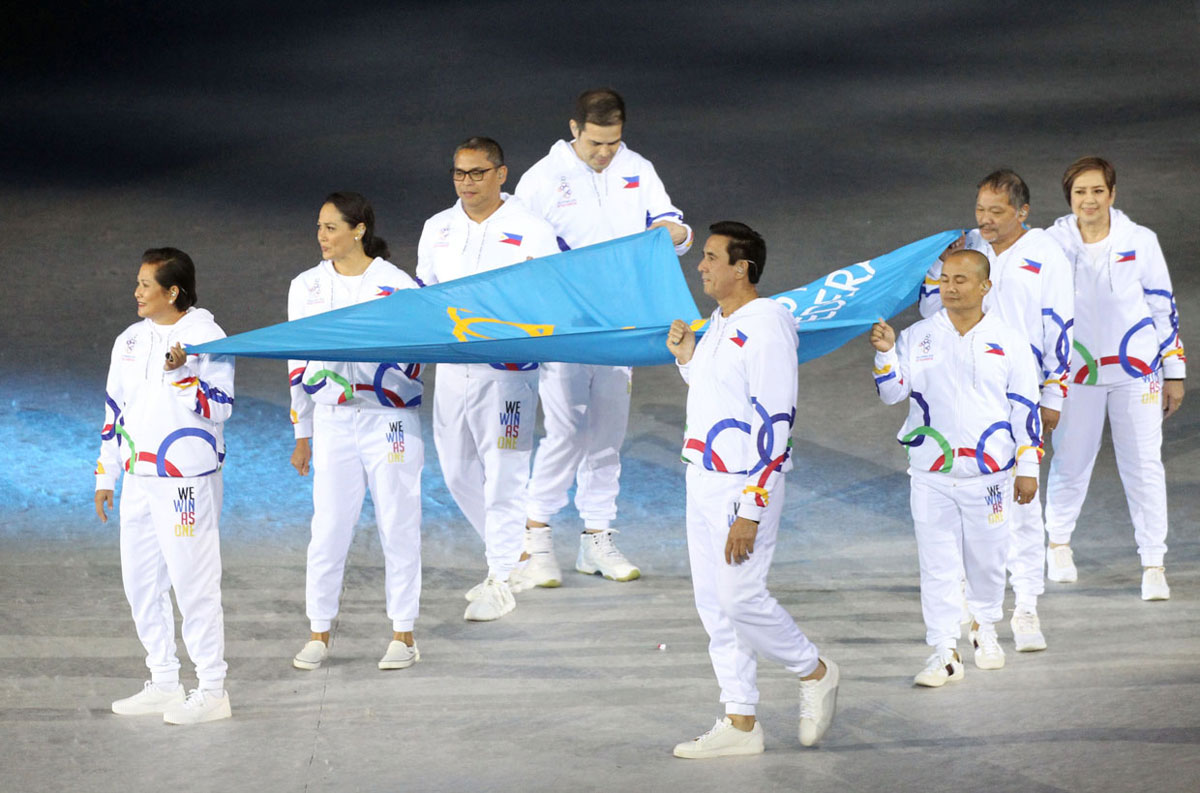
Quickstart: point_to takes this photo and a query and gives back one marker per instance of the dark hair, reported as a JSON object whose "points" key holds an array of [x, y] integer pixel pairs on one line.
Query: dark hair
{"points": [[174, 268], [490, 149], [356, 209], [603, 107], [1006, 180], [744, 243], [1088, 164]]}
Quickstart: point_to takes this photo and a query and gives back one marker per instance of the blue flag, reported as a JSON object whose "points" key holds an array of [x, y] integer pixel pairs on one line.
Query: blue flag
{"points": [[609, 303]]}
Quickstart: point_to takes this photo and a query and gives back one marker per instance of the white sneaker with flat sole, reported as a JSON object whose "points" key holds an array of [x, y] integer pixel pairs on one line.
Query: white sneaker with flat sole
{"points": [[1060, 564], [311, 655], [818, 702], [150, 700], [200, 706], [1027, 630], [941, 668], [399, 656], [1154, 584], [723, 740]]}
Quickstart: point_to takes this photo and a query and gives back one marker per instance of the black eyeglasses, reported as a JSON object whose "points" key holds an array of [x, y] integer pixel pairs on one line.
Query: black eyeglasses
{"points": [[476, 174]]}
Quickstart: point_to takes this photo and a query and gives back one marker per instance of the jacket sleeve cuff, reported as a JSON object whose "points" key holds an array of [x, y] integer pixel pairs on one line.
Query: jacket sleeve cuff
{"points": [[106, 482], [303, 428], [1052, 398], [748, 509], [1174, 368], [1027, 468]]}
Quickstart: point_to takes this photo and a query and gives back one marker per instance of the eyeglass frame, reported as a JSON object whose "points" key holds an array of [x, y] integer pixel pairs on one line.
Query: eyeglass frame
{"points": [[475, 174]]}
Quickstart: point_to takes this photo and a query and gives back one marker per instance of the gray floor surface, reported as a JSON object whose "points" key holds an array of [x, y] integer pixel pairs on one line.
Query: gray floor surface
{"points": [[841, 130]]}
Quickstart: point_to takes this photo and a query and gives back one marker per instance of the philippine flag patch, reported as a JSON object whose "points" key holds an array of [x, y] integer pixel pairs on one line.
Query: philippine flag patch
{"points": [[739, 339], [631, 181], [511, 239], [1032, 266], [993, 349], [1126, 256], [384, 291]]}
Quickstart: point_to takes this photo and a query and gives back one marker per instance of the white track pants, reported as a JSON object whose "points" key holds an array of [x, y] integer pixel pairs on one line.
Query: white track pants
{"points": [[1134, 411], [170, 538], [962, 525], [743, 621], [483, 423], [354, 449], [586, 410], [1026, 558]]}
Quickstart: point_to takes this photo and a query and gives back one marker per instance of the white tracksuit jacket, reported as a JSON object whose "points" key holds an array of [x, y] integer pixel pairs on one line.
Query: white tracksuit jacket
{"points": [[1126, 322], [972, 409], [1032, 292], [379, 386], [166, 424], [586, 207], [741, 421], [453, 246]]}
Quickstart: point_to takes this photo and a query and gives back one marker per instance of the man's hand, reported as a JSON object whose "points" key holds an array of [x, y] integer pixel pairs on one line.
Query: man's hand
{"points": [[1050, 419], [681, 341], [883, 338], [1172, 397], [678, 232], [957, 245], [1025, 489], [103, 498], [740, 544], [301, 456]]}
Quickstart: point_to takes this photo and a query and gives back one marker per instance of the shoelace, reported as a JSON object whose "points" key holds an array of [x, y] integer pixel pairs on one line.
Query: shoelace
{"points": [[607, 548], [940, 660], [1025, 622], [195, 699], [808, 698], [717, 727], [989, 643]]}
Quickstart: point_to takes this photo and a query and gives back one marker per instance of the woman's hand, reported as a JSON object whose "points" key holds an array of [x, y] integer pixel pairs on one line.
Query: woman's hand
{"points": [[103, 498], [176, 358]]}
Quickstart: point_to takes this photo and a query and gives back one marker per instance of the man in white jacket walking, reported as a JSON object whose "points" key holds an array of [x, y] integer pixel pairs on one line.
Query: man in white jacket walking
{"points": [[591, 189], [1032, 292], [742, 382], [973, 417], [483, 414]]}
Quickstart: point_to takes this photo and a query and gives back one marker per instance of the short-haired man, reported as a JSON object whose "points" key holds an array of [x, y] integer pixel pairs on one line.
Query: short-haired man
{"points": [[1033, 292], [972, 417], [591, 189], [478, 409], [742, 382]]}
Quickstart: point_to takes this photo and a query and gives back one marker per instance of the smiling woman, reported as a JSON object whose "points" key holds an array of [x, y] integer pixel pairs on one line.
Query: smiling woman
{"points": [[163, 429], [1128, 363]]}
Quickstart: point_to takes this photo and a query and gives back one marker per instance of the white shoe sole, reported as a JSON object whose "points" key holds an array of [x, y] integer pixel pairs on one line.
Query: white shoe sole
{"points": [[405, 664], [630, 576]]}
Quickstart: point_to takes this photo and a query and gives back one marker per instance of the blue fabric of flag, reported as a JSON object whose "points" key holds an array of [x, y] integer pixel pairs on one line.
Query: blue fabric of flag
{"points": [[609, 303]]}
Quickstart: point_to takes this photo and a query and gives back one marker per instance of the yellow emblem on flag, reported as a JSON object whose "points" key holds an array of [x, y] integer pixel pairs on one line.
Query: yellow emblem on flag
{"points": [[462, 325]]}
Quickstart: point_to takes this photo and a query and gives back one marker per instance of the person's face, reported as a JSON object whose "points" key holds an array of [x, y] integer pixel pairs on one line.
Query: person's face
{"points": [[962, 283], [596, 145], [1090, 196], [153, 301], [470, 163], [337, 238], [998, 220], [717, 273]]}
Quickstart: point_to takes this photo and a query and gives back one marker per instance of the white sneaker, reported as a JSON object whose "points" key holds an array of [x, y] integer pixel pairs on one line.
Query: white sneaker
{"points": [[723, 740], [543, 569], [493, 601], [1154, 584], [1060, 564], [519, 579], [200, 706], [818, 702], [942, 667], [399, 656], [598, 554], [151, 699], [988, 652], [1027, 630], [311, 655]]}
